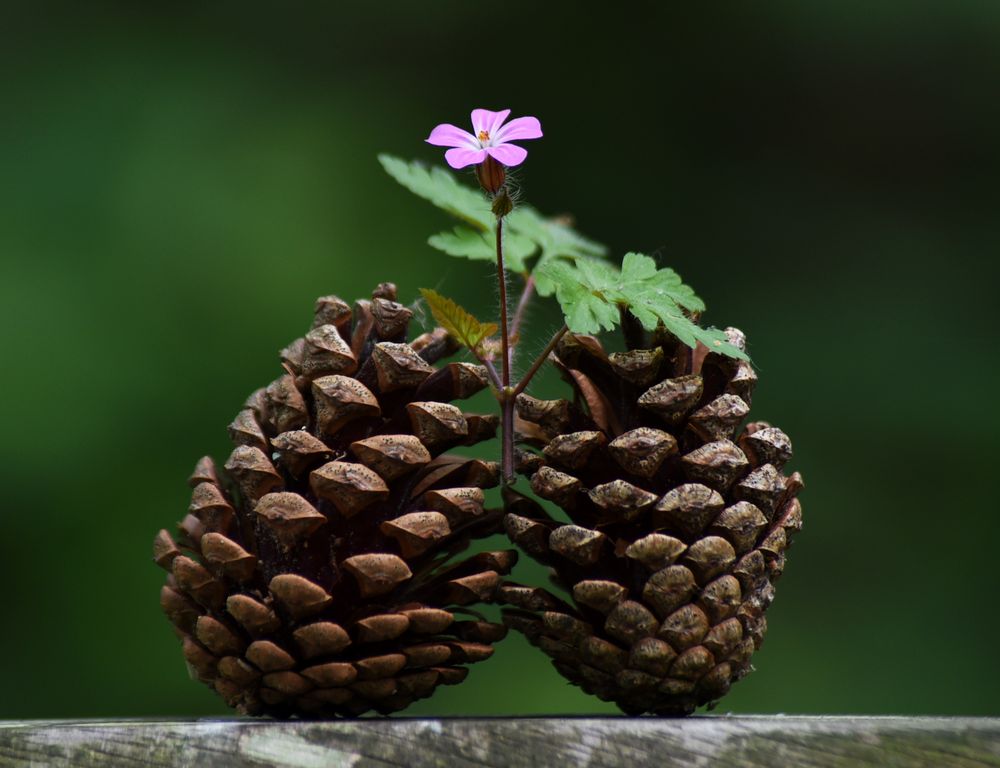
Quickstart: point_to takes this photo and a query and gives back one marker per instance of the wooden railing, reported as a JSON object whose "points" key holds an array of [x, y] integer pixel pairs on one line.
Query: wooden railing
{"points": [[697, 742]]}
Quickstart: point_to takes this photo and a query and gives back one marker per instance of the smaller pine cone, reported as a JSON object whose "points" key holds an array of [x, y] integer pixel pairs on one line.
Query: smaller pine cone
{"points": [[679, 522], [316, 573]]}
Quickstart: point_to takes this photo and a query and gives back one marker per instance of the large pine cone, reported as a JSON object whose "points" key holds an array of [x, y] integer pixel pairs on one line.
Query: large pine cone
{"points": [[314, 574], [679, 527]]}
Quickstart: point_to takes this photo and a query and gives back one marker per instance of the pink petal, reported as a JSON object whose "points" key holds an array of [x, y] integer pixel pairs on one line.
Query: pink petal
{"points": [[485, 120], [518, 128], [448, 135], [508, 154], [461, 157]]}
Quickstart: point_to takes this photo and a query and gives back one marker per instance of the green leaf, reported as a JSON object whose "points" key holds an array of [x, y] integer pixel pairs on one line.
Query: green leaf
{"points": [[554, 238], [639, 271], [586, 309], [441, 188], [717, 341], [462, 241], [526, 232], [459, 322], [590, 291], [479, 246], [591, 294]]}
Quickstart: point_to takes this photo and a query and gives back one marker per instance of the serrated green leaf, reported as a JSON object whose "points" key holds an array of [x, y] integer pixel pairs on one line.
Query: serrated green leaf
{"points": [[554, 238], [543, 272], [441, 188], [462, 241], [638, 266], [527, 233], [639, 272], [544, 284], [600, 274], [717, 341], [458, 321], [592, 293], [586, 309], [480, 246]]}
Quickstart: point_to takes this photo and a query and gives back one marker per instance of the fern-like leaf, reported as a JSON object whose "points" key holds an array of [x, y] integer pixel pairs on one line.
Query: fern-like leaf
{"points": [[459, 322]]}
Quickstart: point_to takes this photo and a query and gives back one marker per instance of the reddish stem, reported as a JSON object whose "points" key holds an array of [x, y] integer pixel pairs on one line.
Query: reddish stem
{"points": [[522, 305], [506, 396], [539, 361], [491, 372], [502, 279]]}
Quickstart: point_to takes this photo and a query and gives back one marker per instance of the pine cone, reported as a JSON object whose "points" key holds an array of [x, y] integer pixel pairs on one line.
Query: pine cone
{"points": [[314, 573], [679, 526]]}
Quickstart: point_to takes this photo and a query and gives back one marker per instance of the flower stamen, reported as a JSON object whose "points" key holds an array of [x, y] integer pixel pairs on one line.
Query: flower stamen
{"points": [[484, 135]]}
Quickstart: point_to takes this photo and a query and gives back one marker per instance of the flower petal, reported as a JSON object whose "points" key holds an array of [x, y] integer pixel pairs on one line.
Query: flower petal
{"points": [[508, 154], [485, 120], [518, 128], [448, 135], [461, 157]]}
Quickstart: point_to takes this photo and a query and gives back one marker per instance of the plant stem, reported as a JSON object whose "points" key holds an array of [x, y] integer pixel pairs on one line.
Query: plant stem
{"points": [[491, 372], [506, 395], [539, 361], [502, 280], [507, 438], [522, 304]]}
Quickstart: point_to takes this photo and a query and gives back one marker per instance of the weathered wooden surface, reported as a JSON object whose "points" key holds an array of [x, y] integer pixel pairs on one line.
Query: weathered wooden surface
{"points": [[696, 742]]}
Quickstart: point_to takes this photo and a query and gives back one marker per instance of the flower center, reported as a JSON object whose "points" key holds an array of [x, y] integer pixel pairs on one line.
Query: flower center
{"points": [[484, 136]]}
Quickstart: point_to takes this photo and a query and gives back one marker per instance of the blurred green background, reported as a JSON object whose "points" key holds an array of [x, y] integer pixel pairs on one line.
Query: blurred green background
{"points": [[179, 181]]}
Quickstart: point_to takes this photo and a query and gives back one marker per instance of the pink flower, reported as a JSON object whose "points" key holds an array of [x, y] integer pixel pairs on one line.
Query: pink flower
{"points": [[490, 137]]}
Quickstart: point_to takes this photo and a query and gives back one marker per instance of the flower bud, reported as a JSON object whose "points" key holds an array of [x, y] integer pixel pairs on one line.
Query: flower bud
{"points": [[491, 175], [502, 204]]}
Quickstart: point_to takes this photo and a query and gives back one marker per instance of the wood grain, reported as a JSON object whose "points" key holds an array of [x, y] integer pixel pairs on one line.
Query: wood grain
{"points": [[697, 742]]}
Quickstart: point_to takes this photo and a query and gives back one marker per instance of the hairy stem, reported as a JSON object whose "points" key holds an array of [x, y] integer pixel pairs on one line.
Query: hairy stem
{"points": [[506, 396], [539, 361], [491, 372], [522, 304], [487, 363], [507, 437], [502, 280]]}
